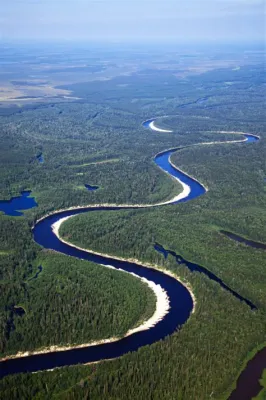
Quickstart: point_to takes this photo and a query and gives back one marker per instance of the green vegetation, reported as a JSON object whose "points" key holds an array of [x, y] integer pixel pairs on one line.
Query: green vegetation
{"points": [[204, 358], [196, 361], [235, 202], [97, 162], [81, 298]]}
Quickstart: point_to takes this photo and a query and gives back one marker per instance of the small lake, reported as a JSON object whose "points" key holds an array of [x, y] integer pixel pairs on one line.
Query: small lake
{"points": [[91, 187], [19, 311], [40, 158], [13, 206]]}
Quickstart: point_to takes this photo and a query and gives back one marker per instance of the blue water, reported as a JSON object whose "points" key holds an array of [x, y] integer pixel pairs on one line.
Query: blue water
{"points": [[251, 139], [196, 188], [247, 242], [161, 250], [181, 303], [40, 158], [22, 202], [147, 123], [198, 268], [91, 188]]}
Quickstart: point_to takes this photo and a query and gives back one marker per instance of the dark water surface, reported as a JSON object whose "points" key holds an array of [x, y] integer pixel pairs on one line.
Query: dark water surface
{"points": [[247, 242], [198, 268], [196, 188], [22, 202], [91, 188], [180, 299], [248, 385], [19, 311], [181, 303]]}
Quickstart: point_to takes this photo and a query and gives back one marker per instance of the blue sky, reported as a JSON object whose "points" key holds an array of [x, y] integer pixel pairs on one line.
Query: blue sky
{"points": [[122, 20]]}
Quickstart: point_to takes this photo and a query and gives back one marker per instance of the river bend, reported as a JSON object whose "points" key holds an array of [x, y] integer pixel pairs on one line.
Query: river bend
{"points": [[180, 298]]}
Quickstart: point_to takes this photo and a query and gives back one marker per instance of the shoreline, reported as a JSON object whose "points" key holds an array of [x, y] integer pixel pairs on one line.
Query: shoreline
{"points": [[154, 128], [167, 202], [56, 229], [161, 309], [162, 301], [179, 196], [241, 133]]}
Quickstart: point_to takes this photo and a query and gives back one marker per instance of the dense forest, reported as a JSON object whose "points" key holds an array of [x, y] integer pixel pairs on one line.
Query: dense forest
{"points": [[81, 298], [98, 140], [193, 363]]}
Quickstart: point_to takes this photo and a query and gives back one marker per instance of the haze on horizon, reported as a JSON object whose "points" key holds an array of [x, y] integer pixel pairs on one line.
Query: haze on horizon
{"points": [[120, 20]]}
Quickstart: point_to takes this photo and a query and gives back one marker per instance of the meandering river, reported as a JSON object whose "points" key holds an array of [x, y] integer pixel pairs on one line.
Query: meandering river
{"points": [[180, 298]]}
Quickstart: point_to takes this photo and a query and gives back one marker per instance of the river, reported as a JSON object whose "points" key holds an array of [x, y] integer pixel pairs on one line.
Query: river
{"points": [[180, 298]]}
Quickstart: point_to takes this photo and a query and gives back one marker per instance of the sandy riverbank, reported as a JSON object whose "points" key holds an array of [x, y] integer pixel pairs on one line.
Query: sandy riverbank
{"points": [[240, 133], [56, 228], [162, 300], [161, 309], [156, 129], [185, 192]]}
